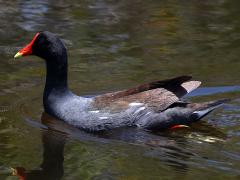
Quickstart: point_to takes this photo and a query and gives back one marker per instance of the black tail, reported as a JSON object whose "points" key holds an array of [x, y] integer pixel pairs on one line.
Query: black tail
{"points": [[206, 109]]}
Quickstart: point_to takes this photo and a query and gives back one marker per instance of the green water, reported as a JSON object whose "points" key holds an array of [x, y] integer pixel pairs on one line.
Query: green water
{"points": [[114, 45]]}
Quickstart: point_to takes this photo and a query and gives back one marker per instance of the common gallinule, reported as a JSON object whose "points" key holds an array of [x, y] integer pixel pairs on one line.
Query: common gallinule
{"points": [[152, 106]]}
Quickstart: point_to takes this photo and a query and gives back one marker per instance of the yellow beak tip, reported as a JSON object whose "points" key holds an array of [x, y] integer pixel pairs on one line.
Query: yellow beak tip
{"points": [[18, 55]]}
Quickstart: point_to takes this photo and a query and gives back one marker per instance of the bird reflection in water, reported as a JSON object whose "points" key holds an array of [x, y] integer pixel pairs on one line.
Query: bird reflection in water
{"points": [[168, 147], [53, 157]]}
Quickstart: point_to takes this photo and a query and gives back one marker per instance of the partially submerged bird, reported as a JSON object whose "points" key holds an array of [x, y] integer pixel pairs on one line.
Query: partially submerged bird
{"points": [[153, 106]]}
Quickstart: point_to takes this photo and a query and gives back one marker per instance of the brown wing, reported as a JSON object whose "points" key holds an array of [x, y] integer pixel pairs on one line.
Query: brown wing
{"points": [[157, 95]]}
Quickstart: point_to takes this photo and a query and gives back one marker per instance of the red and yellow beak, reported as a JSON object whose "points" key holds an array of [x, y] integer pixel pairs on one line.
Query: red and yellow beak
{"points": [[27, 50]]}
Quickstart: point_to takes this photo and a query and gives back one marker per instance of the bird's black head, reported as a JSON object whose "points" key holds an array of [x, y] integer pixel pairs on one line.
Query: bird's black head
{"points": [[45, 45]]}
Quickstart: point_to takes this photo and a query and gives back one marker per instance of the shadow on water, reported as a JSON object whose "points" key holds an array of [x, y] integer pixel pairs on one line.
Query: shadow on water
{"points": [[213, 90], [166, 146]]}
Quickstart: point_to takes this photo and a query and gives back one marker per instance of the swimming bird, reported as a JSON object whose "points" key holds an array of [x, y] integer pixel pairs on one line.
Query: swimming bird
{"points": [[152, 106]]}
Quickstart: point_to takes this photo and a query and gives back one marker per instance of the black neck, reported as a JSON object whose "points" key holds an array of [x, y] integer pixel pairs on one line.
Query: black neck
{"points": [[56, 78]]}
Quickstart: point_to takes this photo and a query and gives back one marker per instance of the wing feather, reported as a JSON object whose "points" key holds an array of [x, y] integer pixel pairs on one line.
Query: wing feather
{"points": [[157, 95]]}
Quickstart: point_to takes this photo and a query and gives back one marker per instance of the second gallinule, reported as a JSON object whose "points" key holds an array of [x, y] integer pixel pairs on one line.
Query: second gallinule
{"points": [[152, 106]]}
